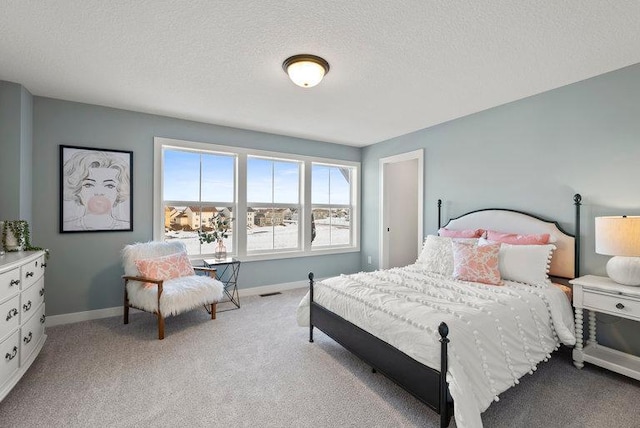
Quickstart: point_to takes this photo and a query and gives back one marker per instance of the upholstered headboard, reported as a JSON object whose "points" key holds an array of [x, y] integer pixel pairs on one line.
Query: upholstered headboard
{"points": [[565, 262]]}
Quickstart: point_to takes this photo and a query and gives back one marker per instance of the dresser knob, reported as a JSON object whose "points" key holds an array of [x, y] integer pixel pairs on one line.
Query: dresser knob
{"points": [[27, 306], [28, 338], [43, 265], [43, 318], [29, 274], [11, 356], [12, 313], [14, 282], [620, 306], [42, 291]]}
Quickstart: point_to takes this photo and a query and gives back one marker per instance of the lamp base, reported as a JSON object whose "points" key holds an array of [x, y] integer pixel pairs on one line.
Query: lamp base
{"points": [[624, 270]]}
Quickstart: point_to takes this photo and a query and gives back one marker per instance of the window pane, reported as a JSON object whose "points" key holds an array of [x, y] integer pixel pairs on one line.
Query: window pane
{"points": [[218, 178], [181, 176], [182, 223], [259, 180], [286, 235], [178, 226], [272, 228], [340, 189], [340, 226], [319, 184], [286, 178], [332, 226]]}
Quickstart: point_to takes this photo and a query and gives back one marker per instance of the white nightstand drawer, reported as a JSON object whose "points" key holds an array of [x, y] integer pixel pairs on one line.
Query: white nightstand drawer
{"points": [[9, 283], [616, 305]]}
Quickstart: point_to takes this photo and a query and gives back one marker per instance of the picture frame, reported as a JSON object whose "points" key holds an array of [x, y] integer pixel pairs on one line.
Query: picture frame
{"points": [[96, 190]]}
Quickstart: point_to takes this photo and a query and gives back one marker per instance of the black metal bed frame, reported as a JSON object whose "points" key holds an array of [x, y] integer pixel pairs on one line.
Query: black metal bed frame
{"points": [[426, 384]]}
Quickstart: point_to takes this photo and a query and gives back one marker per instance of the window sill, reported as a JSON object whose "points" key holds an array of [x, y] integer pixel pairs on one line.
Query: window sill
{"points": [[284, 254]]}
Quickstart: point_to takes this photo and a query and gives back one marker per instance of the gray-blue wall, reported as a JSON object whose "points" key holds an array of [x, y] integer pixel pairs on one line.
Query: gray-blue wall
{"points": [[84, 269], [532, 155]]}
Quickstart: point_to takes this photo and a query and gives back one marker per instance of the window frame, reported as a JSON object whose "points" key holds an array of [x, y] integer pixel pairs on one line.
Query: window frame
{"points": [[241, 204]]}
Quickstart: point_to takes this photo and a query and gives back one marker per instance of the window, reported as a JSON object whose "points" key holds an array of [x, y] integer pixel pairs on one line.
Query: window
{"points": [[273, 204], [291, 205], [196, 187], [331, 196]]}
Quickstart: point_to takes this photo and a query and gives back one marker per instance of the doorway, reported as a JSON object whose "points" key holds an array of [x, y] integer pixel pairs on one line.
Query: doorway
{"points": [[401, 205]]}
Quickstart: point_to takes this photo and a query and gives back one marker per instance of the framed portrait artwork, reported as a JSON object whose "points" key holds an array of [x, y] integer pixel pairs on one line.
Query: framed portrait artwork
{"points": [[96, 190]]}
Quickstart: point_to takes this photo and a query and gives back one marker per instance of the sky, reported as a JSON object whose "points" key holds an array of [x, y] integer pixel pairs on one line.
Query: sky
{"points": [[268, 181]]}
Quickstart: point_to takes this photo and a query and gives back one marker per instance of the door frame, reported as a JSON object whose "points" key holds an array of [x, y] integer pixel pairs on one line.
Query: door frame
{"points": [[403, 157]]}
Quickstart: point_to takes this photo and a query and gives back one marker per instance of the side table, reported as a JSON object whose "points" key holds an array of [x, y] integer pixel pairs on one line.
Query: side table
{"points": [[601, 294], [227, 271]]}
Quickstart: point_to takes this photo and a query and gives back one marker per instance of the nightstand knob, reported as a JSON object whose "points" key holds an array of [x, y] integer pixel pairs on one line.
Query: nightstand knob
{"points": [[620, 306]]}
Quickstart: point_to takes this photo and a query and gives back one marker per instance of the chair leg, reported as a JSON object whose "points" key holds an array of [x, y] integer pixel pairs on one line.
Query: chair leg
{"points": [[126, 304], [213, 310], [160, 326]]}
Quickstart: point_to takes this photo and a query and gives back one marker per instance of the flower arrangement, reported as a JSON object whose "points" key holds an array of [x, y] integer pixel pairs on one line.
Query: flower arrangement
{"points": [[217, 230]]}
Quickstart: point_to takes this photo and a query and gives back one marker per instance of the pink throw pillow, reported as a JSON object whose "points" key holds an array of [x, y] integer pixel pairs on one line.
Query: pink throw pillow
{"points": [[167, 267], [516, 239], [477, 264], [468, 233]]}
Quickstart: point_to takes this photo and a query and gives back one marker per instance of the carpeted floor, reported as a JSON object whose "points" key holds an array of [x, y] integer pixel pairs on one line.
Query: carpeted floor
{"points": [[254, 367]]}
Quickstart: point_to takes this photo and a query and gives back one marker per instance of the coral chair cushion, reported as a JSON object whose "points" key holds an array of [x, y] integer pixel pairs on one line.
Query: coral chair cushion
{"points": [[166, 267]]}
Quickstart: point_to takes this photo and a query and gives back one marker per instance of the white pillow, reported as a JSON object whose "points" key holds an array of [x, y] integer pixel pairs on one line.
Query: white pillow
{"points": [[437, 254], [525, 263]]}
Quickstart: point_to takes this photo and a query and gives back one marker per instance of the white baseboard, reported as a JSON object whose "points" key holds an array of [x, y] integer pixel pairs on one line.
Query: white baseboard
{"points": [[95, 314]]}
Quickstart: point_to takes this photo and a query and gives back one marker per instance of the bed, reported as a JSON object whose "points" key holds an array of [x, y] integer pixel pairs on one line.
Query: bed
{"points": [[446, 339]]}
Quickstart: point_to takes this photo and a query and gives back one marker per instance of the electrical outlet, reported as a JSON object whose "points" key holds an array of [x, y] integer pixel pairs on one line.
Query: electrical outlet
{"points": [[369, 259]]}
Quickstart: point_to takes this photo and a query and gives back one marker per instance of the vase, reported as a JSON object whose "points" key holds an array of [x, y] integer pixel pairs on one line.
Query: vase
{"points": [[220, 251]]}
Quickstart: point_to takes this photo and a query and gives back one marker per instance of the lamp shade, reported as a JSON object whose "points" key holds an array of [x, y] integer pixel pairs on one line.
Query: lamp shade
{"points": [[618, 236], [306, 70]]}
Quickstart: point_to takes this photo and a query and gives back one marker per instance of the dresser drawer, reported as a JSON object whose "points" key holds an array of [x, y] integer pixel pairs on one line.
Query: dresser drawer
{"points": [[32, 271], [30, 334], [612, 304], [9, 357], [9, 283], [9, 316], [31, 298]]}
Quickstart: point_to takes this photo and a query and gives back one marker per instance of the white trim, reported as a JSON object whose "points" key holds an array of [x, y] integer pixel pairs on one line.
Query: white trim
{"points": [[403, 157], [95, 314]]}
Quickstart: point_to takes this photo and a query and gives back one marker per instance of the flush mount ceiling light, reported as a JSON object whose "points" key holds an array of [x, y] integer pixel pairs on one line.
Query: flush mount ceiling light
{"points": [[305, 70]]}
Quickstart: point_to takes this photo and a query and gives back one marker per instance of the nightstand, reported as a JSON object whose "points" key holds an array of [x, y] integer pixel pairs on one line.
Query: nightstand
{"points": [[601, 294]]}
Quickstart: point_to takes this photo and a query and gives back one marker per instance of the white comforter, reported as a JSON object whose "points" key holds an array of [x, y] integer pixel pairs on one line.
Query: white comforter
{"points": [[497, 334]]}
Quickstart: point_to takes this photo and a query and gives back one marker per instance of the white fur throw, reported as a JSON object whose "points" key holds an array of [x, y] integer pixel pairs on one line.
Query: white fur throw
{"points": [[179, 294]]}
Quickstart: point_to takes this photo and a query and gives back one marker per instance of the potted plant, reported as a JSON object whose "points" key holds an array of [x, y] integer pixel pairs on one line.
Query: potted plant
{"points": [[16, 236], [216, 231]]}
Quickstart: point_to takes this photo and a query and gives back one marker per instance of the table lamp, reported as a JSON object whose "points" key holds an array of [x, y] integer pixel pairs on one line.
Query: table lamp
{"points": [[619, 236]]}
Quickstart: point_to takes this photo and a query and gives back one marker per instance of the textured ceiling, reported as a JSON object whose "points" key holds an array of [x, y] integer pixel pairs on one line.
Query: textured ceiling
{"points": [[396, 66]]}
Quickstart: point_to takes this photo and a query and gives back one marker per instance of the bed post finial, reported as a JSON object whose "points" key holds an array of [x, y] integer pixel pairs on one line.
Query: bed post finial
{"points": [[577, 201], [439, 213]]}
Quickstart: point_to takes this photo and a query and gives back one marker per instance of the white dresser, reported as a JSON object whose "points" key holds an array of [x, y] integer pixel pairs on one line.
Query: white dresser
{"points": [[21, 314]]}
